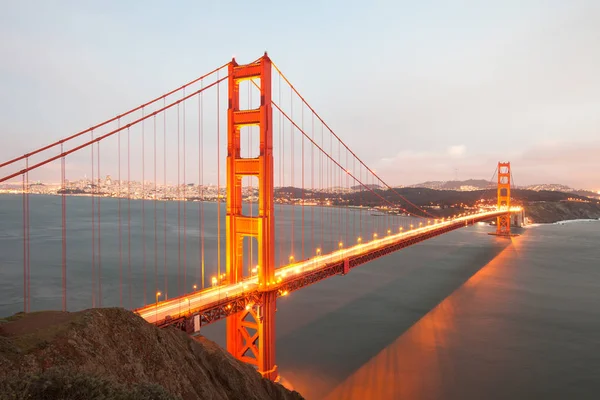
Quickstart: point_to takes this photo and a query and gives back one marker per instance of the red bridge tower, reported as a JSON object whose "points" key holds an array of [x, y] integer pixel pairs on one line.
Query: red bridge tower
{"points": [[251, 333], [503, 222]]}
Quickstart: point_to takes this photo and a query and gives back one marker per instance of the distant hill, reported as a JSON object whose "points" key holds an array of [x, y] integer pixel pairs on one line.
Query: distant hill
{"points": [[555, 187], [587, 193], [467, 185], [370, 186], [481, 184]]}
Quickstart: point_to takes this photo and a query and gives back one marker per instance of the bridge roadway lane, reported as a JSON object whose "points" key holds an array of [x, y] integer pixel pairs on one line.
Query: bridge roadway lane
{"points": [[197, 301]]}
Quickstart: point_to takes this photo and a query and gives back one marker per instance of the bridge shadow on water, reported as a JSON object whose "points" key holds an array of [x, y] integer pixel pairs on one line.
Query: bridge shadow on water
{"points": [[330, 330]]}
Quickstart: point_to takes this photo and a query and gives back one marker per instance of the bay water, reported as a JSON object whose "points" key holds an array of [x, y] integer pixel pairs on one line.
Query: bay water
{"points": [[462, 316]]}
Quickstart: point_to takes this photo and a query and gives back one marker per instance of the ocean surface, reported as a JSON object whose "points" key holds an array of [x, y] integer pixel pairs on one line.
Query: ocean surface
{"points": [[462, 316]]}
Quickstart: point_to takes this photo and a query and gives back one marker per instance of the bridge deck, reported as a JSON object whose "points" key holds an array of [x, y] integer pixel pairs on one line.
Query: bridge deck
{"points": [[203, 307]]}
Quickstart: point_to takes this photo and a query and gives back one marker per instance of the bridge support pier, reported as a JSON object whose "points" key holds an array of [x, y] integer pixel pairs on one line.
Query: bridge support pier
{"points": [[518, 219], [251, 333]]}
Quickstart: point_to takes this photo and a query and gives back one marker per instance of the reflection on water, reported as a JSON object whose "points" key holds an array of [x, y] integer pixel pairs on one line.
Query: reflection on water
{"points": [[523, 322], [334, 328], [398, 370]]}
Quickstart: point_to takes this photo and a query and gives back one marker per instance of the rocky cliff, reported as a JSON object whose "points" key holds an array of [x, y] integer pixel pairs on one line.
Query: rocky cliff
{"points": [[548, 212], [113, 354]]}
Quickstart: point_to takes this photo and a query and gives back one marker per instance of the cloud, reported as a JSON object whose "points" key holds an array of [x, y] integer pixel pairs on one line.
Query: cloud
{"points": [[457, 151]]}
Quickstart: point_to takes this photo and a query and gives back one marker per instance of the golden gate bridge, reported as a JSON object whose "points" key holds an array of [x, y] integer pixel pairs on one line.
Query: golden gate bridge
{"points": [[269, 137]]}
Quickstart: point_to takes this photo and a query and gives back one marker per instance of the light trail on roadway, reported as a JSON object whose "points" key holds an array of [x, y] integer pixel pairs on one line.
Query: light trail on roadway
{"points": [[184, 305]]}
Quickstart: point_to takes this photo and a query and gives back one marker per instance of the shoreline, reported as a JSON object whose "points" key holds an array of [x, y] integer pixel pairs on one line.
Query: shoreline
{"points": [[563, 222], [552, 212], [211, 200]]}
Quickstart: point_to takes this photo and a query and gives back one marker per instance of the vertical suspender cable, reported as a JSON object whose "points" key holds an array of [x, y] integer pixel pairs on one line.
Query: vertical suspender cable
{"points": [[185, 288], [120, 234], [280, 237], [312, 185], [26, 253], [359, 195], [99, 233], [353, 198], [144, 206], [155, 216], [166, 275], [321, 192], [340, 187], [200, 276], [24, 248], [129, 214], [25, 295], [346, 192], [28, 241], [93, 227], [331, 185], [302, 156], [293, 208], [64, 231], [178, 206], [218, 178]]}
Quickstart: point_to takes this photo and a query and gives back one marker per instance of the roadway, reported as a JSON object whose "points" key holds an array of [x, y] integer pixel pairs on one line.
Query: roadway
{"points": [[222, 294]]}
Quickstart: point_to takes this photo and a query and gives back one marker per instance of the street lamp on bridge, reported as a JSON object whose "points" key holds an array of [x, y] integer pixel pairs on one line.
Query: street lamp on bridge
{"points": [[156, 312]]}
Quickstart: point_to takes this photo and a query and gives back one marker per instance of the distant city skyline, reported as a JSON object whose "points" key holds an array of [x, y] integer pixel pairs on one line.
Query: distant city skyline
{"points": [[420, 91], [427, 184]]}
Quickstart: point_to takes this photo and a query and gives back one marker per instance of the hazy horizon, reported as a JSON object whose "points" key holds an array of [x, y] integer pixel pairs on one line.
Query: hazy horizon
{"points": [[223, 186], [422, 92]]}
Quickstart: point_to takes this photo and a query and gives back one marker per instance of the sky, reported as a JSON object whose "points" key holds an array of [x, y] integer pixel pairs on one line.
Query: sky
{"points": [[428, 90]]}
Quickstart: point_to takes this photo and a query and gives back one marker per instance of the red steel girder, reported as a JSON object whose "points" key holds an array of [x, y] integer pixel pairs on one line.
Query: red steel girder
{"points": [[227, 307], [213, 312]]}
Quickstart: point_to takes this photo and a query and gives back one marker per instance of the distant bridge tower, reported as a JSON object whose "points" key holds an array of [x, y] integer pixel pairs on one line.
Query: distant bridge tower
{"points": [[503, 222], [251, 333]]}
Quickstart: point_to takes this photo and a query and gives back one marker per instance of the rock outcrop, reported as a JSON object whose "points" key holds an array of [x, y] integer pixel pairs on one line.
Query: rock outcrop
{"points": [[112, 353]]}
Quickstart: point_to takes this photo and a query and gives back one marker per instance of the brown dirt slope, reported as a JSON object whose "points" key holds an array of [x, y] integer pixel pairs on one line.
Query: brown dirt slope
{"points": [[111, 353]]}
